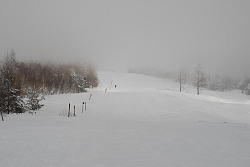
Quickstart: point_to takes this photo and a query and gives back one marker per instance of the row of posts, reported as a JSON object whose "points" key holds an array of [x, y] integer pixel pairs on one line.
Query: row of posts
{"points": [[84, 105]]}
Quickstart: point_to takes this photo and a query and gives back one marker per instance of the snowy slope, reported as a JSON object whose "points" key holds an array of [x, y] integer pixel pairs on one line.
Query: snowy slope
{"points": [[144, 121]]}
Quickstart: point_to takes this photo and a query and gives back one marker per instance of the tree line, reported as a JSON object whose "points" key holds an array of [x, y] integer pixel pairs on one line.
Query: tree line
{"points": [[216, 83], [199, 79], [19, 80]]}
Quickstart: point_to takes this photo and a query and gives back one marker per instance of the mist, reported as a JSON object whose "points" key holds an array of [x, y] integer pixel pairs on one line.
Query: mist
{"points": [[115, 35]]}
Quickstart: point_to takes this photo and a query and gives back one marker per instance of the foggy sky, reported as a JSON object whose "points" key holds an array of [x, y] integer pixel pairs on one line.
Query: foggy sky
{"points": [[118, 34]]}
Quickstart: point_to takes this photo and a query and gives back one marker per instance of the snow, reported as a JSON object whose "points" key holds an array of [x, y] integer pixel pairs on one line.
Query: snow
{"points": [[144, 121]]}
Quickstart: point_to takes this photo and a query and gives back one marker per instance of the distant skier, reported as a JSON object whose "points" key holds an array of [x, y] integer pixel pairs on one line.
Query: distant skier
{"points": [[115, 86]]}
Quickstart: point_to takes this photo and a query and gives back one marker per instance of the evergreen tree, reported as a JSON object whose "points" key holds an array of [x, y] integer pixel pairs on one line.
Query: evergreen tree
{"points": [[33, 101], [79, 83], [10, 102]]}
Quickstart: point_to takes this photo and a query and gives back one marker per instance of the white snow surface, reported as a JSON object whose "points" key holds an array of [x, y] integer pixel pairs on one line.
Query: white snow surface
{"points": [[144, 121]]}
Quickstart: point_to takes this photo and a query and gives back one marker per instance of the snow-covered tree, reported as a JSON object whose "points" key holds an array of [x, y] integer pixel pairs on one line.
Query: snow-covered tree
{"points": [[210, 82], [198, 77], [236, 83], [180, 76], [243, 84], [79, 83], [248, 89], [223, 83], [10, 101]]}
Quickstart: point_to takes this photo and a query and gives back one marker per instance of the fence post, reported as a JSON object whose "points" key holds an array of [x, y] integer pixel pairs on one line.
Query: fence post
{"points": [[69, 110], [82, 106], [85, 105], [74, 110]]}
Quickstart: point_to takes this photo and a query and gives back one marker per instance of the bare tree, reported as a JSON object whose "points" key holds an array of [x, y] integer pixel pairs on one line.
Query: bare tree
{"points": [[180, 76], [198, 77]]}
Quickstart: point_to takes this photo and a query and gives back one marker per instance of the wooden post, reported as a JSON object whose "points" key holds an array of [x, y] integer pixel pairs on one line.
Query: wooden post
{"points": [[82, 106], [74, 110], [85, 105], [69, 110]]}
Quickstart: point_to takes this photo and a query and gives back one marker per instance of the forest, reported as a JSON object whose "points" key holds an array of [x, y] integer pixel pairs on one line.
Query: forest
{"points": [[32, 80]]}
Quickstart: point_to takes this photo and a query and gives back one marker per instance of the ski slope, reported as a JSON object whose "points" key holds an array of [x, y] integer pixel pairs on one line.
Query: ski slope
{"points": [[144, 121]]}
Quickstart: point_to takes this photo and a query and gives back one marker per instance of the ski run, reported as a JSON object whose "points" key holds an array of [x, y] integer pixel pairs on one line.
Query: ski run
{"points": [[131, 120]]}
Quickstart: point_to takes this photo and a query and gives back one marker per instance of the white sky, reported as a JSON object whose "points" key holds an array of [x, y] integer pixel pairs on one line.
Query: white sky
{"points": [[118, 34]]}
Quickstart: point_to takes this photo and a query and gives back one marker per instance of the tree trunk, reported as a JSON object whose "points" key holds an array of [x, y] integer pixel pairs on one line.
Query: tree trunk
{"points": [[2, 116], [8, 105], [180, 83], [198, 88]]}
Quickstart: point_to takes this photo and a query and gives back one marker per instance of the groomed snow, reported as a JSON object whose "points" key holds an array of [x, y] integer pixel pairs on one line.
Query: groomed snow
{"points": [[144, 121]]}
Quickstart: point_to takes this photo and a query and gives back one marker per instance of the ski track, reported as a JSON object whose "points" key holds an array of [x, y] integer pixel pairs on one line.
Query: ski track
{"points": [[142, 122]]}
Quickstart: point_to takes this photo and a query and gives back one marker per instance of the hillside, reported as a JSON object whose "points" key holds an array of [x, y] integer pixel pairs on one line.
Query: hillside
{"points": [[144, 121]]}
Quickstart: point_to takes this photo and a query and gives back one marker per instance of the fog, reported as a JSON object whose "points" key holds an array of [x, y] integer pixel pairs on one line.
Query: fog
{"points": [[118, 34]]}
